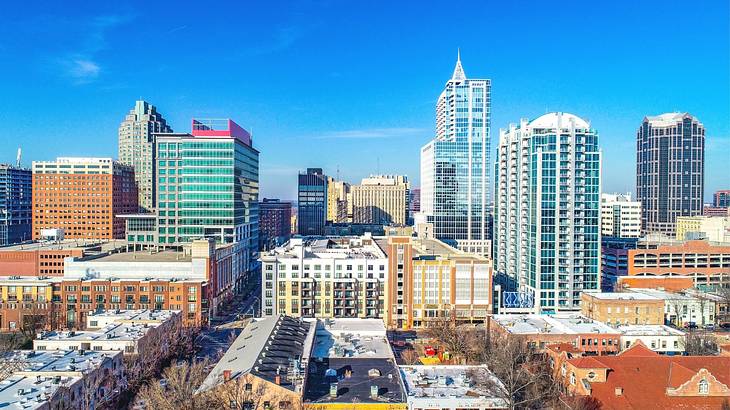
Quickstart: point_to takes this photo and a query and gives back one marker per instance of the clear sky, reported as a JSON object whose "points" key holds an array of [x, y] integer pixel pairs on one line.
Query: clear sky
{"points": [[353, 85]]}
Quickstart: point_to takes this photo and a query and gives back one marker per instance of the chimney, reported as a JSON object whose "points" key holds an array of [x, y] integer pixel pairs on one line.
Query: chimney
{"points": [[277, 379], [333, 390], [226, 375], [619, 391], [373, 392]]}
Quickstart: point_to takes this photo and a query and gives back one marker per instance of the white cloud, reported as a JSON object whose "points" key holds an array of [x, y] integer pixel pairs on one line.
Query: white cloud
{"points": [[83, 70], [369, 133]]}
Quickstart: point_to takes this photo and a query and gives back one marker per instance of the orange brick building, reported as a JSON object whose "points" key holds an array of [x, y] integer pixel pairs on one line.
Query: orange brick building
{"points": [[67, 302], [639, 378], [82, 196], [706, 263]]}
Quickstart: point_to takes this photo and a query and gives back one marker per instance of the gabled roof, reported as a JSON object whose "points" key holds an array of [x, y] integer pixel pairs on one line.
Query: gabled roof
{"points": [[638, 349], [588, 362]]}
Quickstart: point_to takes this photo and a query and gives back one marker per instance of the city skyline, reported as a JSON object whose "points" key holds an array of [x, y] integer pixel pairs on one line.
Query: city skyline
{"points": [[55, 89]]}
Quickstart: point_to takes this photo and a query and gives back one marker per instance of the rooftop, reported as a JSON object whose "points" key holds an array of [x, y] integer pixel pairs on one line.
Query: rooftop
{"points": [[620, 296], [363, 247], [351, 338], [661, 294], [453, 383], [114, 332], [30, 393], [32, 362], [562, 120], [649, 330], [139, 315], [267, 348], [669, 119], [166, 255], [67, 244], [551, 324]]}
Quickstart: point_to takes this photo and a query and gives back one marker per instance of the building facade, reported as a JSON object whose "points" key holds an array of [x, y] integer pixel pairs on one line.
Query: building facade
{"points": [[325, 278], [45, 258], [721, 198], [274, 223], [620, 216], [614, 260], [312, 202], [713, 229], [338, 207], [83, 197], [15, 204], [381, 199], [670, 170], [136, 147], [623, 308], [659, 338], [547, 222], [430, 280], [455, 167]]}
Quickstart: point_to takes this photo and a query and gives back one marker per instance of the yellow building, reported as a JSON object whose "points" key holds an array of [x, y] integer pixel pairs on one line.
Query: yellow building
{"points": [[712, 228], [381, 199], [337, 196]]}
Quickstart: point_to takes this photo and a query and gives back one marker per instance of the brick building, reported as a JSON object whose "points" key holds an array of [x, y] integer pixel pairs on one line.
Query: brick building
{"points": [[83, 197], [45, 258], [623, 308]]}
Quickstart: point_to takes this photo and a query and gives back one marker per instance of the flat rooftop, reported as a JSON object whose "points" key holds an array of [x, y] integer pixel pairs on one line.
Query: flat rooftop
{"points": [[551, 324], [661, 294], [649, 330], [115, 332], [141, 315], [354, 247], [143, 256], [364, 380], [621, 296], [57, 361], [64, 245], [30, 393], [456, 385], [428, 249]]}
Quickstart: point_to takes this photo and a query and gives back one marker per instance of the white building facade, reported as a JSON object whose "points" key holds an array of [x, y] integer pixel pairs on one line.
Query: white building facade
{"points": [[620, 216], [659, 338]]}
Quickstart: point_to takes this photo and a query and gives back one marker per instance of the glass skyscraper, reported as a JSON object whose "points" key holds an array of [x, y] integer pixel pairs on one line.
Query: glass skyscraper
{"points": [[15, 204], [547, 213], [455, 169], [208, 185], [312, 202]]}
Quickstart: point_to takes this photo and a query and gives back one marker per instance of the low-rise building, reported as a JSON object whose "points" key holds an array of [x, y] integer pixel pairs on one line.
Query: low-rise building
{"points": [[616, 308], [268, 361], [325, 278], [451, 388], [46, 258], [659, 338], [430, 280], [352, 366], [585, 334], [614, 260], [711, 228], [673, 283], [639, 378], [682, 309], [115, 333], [60, 380]]}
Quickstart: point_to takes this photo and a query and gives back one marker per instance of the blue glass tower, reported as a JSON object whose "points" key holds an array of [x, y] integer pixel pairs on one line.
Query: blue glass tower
{"points": [[455, 197], [15, 204]]}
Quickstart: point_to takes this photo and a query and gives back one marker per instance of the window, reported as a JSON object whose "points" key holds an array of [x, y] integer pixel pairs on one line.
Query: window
{"points": [[249, 387], [704, 387], [572, 379]]}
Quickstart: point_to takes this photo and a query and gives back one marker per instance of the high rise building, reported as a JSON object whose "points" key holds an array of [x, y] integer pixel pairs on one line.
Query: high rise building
{"points": [[547, 212], [337, 197], [312, 202], [721, 199], [455, 167], [620, 216], [83, 197], [136, 139], [208, 184], [15, 204], [381, 199], [274, 223], [670, 170]]}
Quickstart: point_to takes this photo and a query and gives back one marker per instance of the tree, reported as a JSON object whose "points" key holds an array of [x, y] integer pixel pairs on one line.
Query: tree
{"points": [[246, 393], [33, 319], [177, 392], [700, 343], [452, 338], [410, 356], [525, 380]]}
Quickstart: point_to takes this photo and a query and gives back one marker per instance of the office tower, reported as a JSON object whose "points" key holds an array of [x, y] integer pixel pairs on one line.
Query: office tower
{"points": [[414, 201], [620, 216], [455, 167], [274, 223], [208, 184], [15, 204], [547, 212], [135, 148], [312, 202], [670, 170], [337, 194], [721, 199], [83, 197], [381, 199]]}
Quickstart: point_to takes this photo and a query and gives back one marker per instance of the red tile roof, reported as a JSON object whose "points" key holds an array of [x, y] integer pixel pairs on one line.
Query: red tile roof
{"points": [[644, 379]]}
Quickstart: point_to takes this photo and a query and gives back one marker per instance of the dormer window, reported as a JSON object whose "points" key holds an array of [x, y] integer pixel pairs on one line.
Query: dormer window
{"points": [[704, 387]]}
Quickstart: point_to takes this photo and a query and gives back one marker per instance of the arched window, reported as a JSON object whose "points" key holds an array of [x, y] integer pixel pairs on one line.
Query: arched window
{"points": [[704, 387]]}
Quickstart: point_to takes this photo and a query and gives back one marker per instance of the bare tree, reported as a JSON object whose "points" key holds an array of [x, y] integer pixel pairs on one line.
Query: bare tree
{"points": [[33, 319], [700, 343], [246, 393], [453, 338], [723, 313], [177, 392], [10, 360], [410, 356], [525, 380]]}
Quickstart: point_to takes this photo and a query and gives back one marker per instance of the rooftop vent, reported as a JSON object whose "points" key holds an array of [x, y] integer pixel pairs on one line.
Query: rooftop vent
{"points": [[373, 391], [333, 390]]}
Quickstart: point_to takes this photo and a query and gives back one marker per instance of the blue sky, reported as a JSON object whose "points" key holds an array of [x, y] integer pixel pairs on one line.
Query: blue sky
{"points": [[352, 85]]}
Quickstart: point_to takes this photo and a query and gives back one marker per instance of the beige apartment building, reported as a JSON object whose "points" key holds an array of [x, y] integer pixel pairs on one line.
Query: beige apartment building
{"points": [[381, 199], [338, 209], [341, 277], [616, 309], [712, 228]]}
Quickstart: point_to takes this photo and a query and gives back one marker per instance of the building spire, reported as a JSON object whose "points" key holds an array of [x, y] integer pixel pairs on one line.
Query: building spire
{"points": [[458, 70]]}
